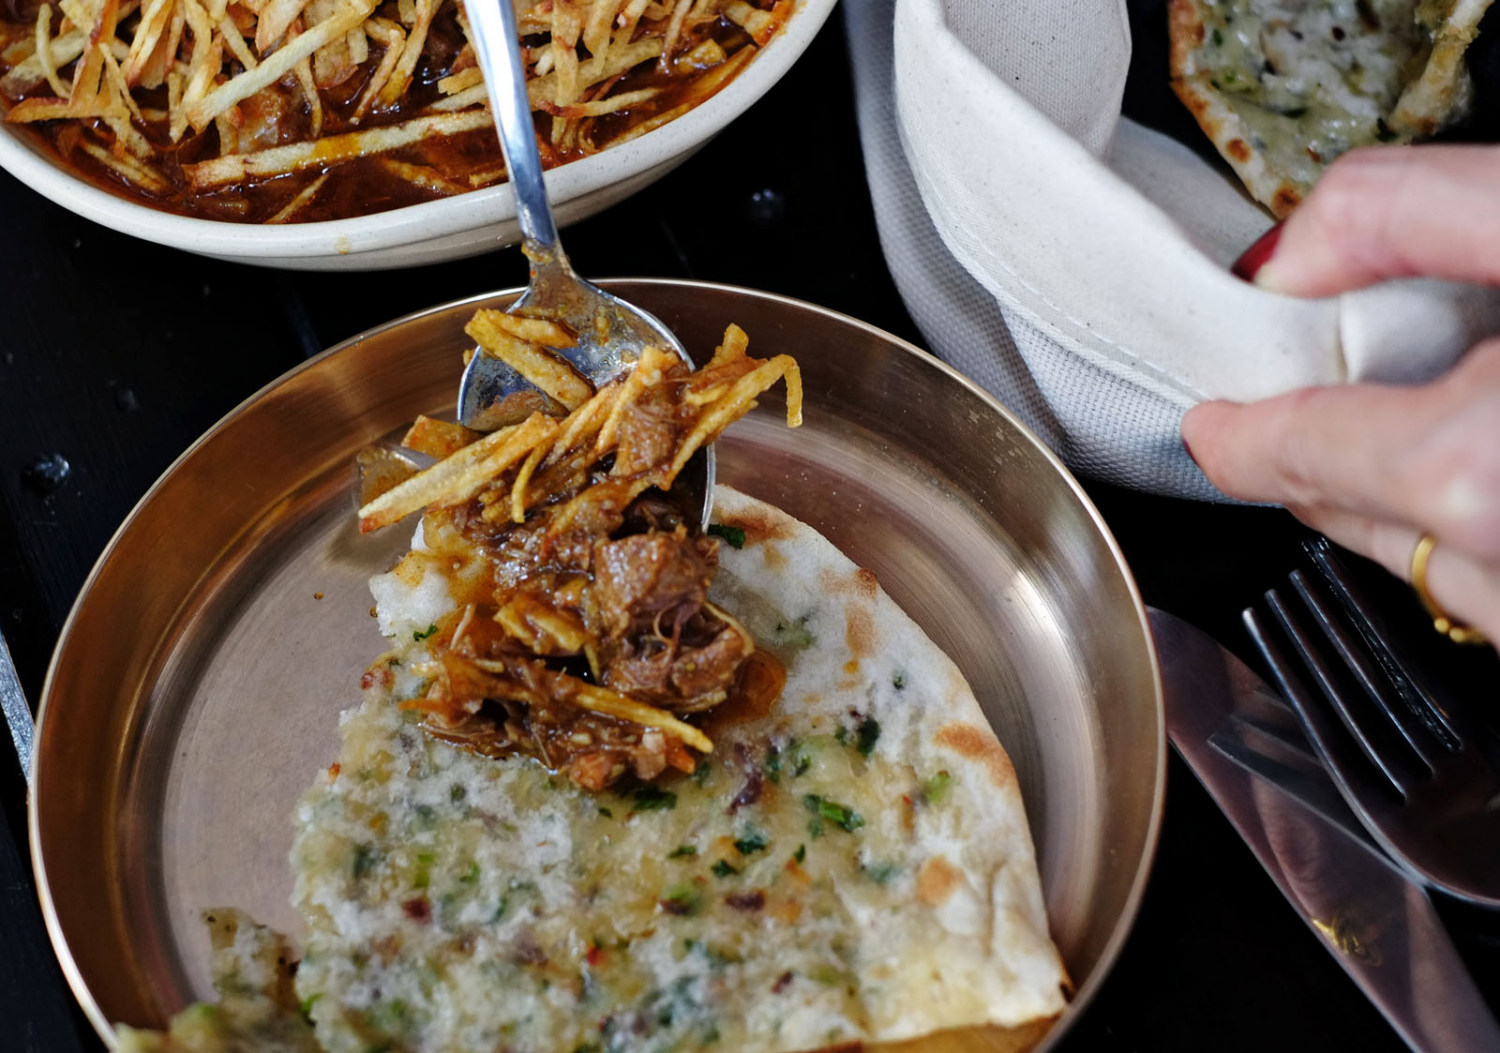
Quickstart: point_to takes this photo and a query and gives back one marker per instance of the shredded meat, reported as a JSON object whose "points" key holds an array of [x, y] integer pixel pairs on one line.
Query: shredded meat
{"points": [[619, 584], [516, 704], [652, 583]]}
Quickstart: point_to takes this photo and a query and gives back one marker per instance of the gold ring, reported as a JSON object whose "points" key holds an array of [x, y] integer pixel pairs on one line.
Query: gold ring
{"points": [[1441, 620]]}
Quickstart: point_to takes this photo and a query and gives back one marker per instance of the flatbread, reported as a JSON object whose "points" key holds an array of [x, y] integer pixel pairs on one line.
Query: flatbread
{"points": [[1443, 91], [257, 1010], [853, 865], [1283, 87]]}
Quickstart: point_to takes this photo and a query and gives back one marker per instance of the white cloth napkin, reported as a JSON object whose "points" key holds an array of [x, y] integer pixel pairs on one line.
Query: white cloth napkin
{"points": [[1076, 263]]}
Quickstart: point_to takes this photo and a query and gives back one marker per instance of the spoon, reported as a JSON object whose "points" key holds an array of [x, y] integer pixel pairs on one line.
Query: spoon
{"points": [[611, 333]]}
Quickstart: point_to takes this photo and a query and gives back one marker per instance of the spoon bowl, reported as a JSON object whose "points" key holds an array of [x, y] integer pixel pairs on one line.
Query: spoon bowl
{"points": [[611, 332]]}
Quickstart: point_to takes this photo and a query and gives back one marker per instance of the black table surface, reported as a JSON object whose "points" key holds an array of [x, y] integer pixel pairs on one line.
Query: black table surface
{"points": [[115, 354]]}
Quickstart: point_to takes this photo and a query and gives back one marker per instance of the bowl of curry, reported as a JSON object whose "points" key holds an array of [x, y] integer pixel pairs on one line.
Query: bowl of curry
{"points": [[354, 134]]}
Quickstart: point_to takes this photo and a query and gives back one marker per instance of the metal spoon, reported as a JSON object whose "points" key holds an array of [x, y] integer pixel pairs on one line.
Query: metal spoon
{"points": [[611, 332]]}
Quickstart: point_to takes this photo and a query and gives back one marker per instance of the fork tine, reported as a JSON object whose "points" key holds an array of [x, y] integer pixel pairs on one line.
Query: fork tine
{"points": [[1419, 701], [1320, 729], [1362, 665]]}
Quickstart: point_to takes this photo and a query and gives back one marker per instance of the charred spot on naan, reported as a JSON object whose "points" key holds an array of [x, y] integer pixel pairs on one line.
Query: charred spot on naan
{"points": [[979, 745], [859, 632], [862, 583], [760, 526], [938, 880]]}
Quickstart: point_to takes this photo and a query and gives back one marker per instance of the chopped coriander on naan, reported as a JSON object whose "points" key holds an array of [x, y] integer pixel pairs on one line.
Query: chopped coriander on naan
{"points": [[852, 864]]}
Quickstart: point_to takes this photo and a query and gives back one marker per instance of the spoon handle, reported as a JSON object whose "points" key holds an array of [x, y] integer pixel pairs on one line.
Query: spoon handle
{"points": [[498, 49]]}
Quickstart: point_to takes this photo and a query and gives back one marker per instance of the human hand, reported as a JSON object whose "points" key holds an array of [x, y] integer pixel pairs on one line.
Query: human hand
{"points": [[1376, 466]]}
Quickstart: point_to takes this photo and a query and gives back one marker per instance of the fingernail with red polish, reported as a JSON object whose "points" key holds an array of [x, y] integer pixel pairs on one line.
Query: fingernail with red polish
{"points": [[1255, 257]]}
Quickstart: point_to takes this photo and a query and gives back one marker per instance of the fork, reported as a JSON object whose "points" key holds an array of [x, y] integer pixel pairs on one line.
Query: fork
{"points": [[1418, 772]]}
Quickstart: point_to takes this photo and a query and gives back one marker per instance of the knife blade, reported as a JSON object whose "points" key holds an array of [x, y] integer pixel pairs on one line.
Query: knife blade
{"points": [[17, 712], [1378, 923]]}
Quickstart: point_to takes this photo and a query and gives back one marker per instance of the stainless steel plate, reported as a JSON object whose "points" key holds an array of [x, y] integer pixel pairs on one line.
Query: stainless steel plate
{"points": [[197, 685]]}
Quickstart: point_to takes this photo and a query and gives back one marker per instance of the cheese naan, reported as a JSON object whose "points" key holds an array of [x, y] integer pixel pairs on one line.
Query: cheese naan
{"points": [[1283, 87]]}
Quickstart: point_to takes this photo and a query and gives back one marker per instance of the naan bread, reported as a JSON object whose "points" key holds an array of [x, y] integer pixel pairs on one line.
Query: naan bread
{"points": [[854, 864], [257, 1010], [1283, 87]]}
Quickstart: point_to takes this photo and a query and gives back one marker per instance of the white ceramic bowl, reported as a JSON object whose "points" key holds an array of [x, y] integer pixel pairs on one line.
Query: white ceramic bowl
{"points": [[433, 231]]}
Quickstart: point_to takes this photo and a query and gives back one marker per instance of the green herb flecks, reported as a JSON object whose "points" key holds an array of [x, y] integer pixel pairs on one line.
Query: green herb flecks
{"points": [[801, 854], [935, 788], [801, 762], [1217, 36], [752, 842], [423, 876], [795, 633], [423, 634], [880, 873], [682, 900], [794, 758], [839, 814], [606, 812], [899, 681], [651, 799], [829, 975], [716, 957], [732, 536], [867, 735], [722, 869], [366, 858], [683, 852]]}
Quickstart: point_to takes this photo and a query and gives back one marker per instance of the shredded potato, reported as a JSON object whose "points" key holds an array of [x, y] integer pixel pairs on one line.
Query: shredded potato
{"points": [[720, 394], [291, 110]]}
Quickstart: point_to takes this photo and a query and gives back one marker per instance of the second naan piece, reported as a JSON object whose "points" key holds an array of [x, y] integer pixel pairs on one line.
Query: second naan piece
{"points": [[1283, 87]]}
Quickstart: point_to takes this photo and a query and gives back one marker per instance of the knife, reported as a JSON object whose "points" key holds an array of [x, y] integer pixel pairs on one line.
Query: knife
{"points": [[17, 712], [1378, 923]]}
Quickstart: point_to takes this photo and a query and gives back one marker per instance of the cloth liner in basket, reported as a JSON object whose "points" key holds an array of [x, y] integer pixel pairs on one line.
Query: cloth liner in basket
{"points": [[1076, 263]]}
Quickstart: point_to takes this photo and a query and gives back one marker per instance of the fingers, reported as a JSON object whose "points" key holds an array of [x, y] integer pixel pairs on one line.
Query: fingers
{"points": [[1425, 458], [1391, 212], [1466, 588]]}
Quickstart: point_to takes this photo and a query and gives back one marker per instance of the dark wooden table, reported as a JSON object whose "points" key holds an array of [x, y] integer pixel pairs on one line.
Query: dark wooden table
{"points": [[115, 354]]}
